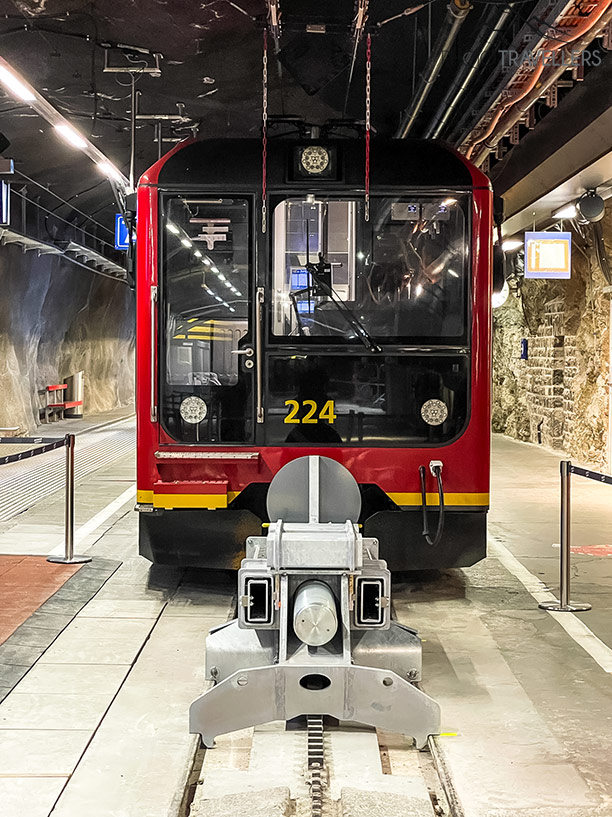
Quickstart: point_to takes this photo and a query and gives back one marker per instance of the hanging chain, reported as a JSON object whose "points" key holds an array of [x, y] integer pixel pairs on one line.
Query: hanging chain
{"points": [[367, 125], [264, 135]]}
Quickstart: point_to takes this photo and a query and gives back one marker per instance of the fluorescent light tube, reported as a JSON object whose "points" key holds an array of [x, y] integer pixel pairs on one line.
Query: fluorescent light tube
{"points": [[15, 86], [69, 135]]}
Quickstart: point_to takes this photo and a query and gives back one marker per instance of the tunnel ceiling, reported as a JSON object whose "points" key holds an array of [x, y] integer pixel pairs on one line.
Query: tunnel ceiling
{"points": [[211, 62]]}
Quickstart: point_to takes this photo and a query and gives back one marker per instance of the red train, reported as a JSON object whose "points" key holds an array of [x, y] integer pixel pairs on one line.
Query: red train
{"points": [[322, 332]]}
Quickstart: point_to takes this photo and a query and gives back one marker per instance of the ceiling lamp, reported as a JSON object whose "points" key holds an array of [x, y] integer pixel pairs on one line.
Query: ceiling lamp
{"points": [[15, 86], [567, 211], [591, 206], [110, 170], [71, 136], [20, 88]]}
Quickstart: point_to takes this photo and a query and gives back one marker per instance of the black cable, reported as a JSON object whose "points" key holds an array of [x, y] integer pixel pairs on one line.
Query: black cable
{"points": [[437, 471]]}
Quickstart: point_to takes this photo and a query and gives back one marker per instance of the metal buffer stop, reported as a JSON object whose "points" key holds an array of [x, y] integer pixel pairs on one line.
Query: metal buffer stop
{"points": [[314, 633]]}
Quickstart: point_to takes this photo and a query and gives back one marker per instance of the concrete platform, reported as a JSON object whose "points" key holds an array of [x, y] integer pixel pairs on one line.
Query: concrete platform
{"points": [[94, 720]]}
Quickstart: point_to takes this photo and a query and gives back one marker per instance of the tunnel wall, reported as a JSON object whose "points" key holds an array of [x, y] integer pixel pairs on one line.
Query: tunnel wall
{"points": [[559, 395], [57, 318]]}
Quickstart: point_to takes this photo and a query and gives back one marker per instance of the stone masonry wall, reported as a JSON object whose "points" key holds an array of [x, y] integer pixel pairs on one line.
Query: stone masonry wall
{"points": [[558, 396], [56, 319]]}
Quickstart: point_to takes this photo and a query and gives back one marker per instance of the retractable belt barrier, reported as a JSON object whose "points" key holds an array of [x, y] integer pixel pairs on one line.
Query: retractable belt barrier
{"points": [[565, 605], [48, 444], [43, 446]]}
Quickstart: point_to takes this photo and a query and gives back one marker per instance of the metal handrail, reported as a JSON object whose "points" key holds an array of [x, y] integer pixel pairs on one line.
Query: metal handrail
{"points": [[42, 228], [44, 445], [62, 201], [565, 605]]}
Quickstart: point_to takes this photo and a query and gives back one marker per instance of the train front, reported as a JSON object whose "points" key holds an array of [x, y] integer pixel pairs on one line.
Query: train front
{"points": [[323, 324]]}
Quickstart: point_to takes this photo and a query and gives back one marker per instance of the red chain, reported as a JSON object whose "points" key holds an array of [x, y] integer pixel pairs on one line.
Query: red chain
{"points": [[367, 127], [264, 135]]}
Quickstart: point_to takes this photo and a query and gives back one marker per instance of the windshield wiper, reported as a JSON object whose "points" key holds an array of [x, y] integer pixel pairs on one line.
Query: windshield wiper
{"points": [[319, 276]]}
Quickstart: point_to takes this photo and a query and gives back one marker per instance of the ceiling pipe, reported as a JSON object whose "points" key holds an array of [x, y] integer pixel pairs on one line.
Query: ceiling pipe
{"points": [[456, 13], [548, 12], [512, 115], [472, 61]]}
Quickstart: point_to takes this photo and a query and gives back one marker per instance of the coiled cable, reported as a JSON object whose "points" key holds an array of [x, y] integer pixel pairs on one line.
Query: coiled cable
{"points": [[436, 470]]}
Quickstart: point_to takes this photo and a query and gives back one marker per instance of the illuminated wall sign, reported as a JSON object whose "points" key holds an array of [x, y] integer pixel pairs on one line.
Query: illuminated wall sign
{"points": [[548, 255]]}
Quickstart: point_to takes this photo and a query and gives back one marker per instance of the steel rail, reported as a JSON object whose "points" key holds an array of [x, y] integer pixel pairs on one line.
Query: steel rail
{"points": [[445, 776], [316, 762]]}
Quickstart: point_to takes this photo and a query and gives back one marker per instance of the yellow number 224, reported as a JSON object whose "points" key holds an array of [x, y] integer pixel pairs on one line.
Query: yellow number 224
{"points": [[326, 413]]}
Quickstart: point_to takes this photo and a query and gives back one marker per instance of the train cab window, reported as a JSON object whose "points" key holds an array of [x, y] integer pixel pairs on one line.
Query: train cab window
{"points": [[205, 392], [400, 277]]}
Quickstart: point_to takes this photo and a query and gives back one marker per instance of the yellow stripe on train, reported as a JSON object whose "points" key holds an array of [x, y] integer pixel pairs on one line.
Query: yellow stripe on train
{"points": [[453, 500], [213, 501]]}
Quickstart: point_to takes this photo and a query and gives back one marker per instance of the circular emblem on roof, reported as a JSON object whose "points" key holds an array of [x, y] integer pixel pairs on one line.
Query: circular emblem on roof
{"points": [[193, 409], [314, 159], [434, 412]]}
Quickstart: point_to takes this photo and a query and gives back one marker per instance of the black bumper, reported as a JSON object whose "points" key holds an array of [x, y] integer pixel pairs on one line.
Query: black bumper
{"points": [[215, 539]]}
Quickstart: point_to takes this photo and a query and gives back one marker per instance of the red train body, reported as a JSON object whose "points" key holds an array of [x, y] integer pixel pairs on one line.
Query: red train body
{"points": [[244, 326]]}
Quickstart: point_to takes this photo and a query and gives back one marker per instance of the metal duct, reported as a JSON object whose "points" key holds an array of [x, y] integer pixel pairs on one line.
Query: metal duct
{"points": [[473, 60], [456, 14]]}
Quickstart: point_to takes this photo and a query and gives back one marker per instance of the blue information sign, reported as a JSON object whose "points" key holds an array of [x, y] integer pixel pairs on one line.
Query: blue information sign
{"points": [[122, 234]]}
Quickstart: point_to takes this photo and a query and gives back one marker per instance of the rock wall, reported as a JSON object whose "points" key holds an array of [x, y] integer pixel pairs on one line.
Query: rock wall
{"points": [[558, 396], [57, 318]]}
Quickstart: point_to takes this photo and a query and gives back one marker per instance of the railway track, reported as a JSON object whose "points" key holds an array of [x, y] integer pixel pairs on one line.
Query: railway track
{"points": [[325, 770]]}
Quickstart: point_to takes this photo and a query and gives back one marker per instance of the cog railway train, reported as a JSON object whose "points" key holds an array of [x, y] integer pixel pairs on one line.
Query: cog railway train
{"points": [[313, 320]]}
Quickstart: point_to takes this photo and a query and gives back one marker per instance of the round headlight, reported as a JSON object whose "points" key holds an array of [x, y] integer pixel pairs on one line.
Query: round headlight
{"points": [[193, 409], [314, 159], [434, 412]]}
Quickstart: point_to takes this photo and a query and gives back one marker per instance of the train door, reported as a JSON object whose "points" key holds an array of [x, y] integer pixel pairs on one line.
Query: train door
{"points": [[206, 326]]}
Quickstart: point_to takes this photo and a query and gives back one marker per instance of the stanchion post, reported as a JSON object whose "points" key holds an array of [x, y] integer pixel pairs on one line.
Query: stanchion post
{"points": [[564, 605], [69, 557]]}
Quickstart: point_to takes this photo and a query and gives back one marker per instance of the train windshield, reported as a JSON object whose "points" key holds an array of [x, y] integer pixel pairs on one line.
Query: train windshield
{"points": [[399, 277]]}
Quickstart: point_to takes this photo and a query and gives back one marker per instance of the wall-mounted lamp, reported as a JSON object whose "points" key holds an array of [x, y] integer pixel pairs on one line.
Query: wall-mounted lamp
{"points": [[591, 206]]}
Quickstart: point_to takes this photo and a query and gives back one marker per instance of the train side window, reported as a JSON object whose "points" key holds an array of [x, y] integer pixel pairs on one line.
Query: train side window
{"points": [[204, 308]]}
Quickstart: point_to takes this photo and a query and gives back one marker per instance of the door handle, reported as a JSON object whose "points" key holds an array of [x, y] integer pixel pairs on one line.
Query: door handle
{"points": [[259, 302], [249, 352]]}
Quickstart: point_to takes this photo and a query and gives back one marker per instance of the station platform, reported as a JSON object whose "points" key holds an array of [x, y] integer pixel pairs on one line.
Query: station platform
{"points": [[97, 675]]}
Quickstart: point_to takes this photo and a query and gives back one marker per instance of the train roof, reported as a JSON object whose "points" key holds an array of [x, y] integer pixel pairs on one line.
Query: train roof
{"points": [[237, 163]]}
